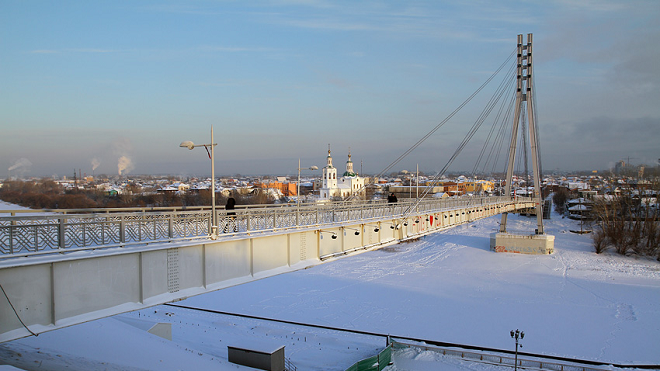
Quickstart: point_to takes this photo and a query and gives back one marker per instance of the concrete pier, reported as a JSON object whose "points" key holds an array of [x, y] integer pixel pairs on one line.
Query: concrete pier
{"points": [[539, 244]]}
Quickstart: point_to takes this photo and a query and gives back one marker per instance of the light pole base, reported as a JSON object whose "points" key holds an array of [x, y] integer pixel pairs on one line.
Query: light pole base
{"points": [[214, 232]]}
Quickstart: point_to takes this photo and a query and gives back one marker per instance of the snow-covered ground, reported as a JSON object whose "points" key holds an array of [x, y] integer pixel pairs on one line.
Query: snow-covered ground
{"points": [[447, 287], [4, 206]]}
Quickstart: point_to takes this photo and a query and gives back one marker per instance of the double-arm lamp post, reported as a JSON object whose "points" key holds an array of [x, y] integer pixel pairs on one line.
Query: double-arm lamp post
{"points": [[190, 145], [515, 335]]}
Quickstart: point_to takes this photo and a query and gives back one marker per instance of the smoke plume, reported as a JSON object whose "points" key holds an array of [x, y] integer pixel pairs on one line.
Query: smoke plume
{"points": [[20, 167], [125, 165], [121, 147], [95, 163]]}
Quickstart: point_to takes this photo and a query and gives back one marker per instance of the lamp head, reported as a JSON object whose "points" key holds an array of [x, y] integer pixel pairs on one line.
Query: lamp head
{"points": [[512, 333], [522, 334], [187, 144]]}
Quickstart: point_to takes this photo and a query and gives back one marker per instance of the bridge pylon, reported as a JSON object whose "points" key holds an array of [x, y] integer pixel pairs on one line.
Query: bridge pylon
{"points": [[539, 242]]}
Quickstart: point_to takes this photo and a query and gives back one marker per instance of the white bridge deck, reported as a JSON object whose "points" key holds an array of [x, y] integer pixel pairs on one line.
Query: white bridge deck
{"points": [[58, 270]]}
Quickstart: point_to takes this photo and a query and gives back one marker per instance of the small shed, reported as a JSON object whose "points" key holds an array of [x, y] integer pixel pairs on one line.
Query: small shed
{"points": [[264, 359]]}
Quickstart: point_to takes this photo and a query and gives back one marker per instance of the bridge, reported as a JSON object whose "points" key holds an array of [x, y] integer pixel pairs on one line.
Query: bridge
{"points": [[65, 268], [62, 269]]}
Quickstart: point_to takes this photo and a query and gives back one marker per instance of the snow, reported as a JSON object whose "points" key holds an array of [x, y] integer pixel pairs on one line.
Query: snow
{"points": [[446, 287], [579, 207], [427, 360], [6, 208]]}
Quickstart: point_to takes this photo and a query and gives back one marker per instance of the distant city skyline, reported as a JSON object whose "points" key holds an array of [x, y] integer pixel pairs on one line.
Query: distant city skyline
{"points": [[116, 86]]}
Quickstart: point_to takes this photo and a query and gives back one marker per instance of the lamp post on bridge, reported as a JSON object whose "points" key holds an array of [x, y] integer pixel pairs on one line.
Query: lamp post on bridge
{"points": [[298, 184], [190, 145]]}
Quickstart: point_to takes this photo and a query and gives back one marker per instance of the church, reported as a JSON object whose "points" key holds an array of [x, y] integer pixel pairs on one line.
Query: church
{"points": [[335, 187]]}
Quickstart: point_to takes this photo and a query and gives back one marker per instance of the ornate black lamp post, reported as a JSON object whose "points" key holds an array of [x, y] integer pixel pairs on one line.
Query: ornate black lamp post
{"points": [[515, 335]]}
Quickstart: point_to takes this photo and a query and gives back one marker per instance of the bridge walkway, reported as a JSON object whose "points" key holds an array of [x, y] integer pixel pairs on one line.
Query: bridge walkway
{"points": [[63, 269]]}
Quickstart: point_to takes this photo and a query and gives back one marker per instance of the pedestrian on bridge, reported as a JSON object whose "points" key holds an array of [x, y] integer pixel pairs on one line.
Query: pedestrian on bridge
{"points": [[229, 208]]}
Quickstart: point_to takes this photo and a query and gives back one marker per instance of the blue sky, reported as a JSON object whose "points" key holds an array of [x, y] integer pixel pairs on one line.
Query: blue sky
{"points": [[85, 83]]}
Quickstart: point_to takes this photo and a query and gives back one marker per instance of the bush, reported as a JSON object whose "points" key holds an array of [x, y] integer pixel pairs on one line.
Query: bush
{"points": [[600, 241]]}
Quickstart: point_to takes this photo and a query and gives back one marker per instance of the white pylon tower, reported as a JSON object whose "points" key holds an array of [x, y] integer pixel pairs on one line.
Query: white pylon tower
{"points": [[525, 98]]}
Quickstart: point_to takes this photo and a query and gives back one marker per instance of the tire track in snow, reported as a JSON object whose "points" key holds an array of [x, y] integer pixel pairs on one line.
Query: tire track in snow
{"points": [[388, 261]]}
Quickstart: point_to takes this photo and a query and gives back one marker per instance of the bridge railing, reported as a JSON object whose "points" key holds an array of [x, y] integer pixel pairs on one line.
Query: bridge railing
{"points": [[71, 230]]}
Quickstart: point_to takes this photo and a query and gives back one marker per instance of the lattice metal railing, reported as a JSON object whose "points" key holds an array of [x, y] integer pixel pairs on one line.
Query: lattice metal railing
{"points": [[57, 232]]}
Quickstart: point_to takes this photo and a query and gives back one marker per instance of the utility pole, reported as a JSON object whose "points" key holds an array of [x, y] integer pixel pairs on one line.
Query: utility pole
{"points": [[417, 183]]}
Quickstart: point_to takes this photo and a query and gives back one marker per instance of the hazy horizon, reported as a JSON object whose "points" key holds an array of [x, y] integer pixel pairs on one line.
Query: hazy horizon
{"points": [[306, 175]]}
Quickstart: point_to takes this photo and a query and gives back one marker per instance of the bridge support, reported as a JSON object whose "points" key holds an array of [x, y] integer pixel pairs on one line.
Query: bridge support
{"points": [[539, 243], [542, 244]]}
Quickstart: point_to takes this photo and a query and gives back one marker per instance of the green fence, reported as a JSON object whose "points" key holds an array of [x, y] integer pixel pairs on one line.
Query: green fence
{"points": [[375, 363]]}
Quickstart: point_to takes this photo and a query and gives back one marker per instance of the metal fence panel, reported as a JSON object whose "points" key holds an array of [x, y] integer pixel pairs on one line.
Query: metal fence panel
{"points": [[375, 363]]}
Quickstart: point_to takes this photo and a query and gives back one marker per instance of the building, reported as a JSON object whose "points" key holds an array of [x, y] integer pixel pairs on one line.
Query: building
{"points": [[284, 187], [174, 188], [619, 167], [336, 187], [466, 186]]}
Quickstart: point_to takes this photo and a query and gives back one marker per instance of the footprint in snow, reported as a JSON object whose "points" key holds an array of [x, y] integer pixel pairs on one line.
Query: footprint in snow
{"points": [[625, 312]]}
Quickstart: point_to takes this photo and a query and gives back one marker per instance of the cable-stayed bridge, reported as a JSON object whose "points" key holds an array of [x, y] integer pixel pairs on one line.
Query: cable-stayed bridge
{"points": [[62, 269]]}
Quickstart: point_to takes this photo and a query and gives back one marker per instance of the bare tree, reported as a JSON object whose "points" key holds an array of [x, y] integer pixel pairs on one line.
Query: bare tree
{"points": [[628, 223]]}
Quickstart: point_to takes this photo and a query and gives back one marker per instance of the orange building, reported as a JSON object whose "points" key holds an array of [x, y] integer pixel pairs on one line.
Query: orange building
{"points": [[287, 189]]}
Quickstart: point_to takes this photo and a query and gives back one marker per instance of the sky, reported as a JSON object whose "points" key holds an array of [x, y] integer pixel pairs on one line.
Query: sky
{"points": [[105, 86]]}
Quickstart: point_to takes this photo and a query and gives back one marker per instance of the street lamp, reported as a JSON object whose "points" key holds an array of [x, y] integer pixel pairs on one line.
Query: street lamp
{"points": [[190, 145], [298, 189], [515, 335]]}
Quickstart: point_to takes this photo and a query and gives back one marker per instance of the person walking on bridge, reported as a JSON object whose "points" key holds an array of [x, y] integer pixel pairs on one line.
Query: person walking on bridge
{"points": [[229, 209]]}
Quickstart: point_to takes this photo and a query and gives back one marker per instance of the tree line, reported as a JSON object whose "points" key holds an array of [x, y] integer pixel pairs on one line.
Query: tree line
{"points": [[48, 194]]}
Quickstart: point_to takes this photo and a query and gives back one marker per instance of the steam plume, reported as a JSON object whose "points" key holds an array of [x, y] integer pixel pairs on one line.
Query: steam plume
{"points": [[95, 163], [122, 147], [21, 166], [20, 163], [125, 165]]}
